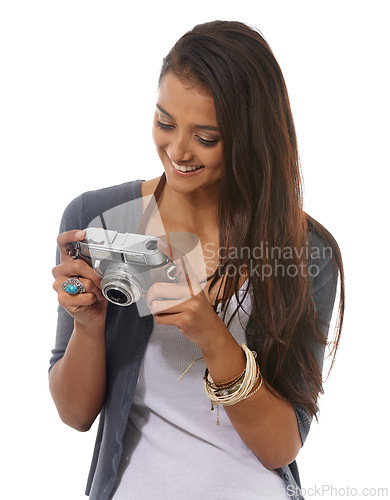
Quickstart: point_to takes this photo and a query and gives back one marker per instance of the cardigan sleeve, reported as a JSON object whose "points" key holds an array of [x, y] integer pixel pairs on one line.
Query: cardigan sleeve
{"points": [[324, 277], [74, 217], [119, 206]]}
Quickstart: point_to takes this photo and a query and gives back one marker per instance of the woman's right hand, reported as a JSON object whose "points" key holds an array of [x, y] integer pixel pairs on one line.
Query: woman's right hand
{"points": [[88, 308]]}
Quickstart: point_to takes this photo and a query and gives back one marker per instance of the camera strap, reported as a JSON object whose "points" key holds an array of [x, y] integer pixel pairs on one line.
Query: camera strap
{"points": [[153, 202], [151, 205], [148, 210]]}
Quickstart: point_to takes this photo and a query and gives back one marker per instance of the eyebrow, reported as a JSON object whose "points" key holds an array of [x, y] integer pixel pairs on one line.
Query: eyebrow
{"points": [[203, 127]]}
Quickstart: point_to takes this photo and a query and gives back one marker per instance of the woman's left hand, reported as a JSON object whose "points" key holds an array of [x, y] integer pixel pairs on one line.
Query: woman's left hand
{"points": [[185, 305]]}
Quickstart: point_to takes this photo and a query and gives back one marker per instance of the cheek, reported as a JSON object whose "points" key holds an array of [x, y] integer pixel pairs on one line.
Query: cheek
{"points": [[158, 135], [155, 135], [159, 139], [217, 159]]}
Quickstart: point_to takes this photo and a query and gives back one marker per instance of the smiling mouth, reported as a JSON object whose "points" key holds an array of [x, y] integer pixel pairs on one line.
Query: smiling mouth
{"points": [[184, 168]]}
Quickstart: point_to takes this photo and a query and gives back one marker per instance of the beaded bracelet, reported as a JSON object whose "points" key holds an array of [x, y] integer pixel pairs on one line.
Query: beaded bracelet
{"points": [[229, 385], [233, 394], [223, 384]]}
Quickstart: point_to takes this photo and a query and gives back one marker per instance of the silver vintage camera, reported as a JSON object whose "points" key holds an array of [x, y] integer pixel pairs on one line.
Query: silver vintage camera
{"points": [[128, 263]]}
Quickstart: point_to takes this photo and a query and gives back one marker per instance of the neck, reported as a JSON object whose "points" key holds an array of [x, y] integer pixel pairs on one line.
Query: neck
{"points": [[195, 212]]}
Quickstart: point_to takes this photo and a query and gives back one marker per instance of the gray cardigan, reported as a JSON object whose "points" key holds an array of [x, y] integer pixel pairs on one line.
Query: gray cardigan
{"points": [[127, 335]]}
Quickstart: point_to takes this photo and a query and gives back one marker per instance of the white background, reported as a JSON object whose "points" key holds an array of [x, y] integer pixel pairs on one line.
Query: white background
{"points": [[77, 93]]}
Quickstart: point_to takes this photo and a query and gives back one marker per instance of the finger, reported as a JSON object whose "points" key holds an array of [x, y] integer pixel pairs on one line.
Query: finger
{"points": [[65, 242], [76, 268], [167, 291], [88, 285], [74, 301], [167, 306]]}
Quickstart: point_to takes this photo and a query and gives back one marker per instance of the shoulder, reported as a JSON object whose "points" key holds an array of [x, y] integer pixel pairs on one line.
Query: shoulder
{"points": [[325, 264], [319, 250], [149, 187], [323, 249], [89, 205], [101, 200]]}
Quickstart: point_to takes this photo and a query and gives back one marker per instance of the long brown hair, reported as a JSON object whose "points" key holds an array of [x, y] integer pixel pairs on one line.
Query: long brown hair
{"points": [[260, 201]]}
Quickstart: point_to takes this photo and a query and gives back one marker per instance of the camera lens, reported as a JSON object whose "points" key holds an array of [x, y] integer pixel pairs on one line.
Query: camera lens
{"points": [[119, 286], [116, 296], [118, 292]]}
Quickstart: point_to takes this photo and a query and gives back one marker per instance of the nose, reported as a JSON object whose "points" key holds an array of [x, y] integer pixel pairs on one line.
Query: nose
{"points": [[179, 150]]}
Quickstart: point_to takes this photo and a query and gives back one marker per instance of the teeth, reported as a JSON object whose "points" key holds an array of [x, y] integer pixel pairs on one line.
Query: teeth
{"points": [[187, 168]]}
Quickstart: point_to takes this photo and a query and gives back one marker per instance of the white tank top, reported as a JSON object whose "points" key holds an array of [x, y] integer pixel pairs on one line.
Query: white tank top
{"points": [[173, 449]]}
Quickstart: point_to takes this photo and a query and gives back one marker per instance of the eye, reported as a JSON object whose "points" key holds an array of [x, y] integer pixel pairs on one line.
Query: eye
{"points": [[203, 142], [164, 126], [206, 143]]}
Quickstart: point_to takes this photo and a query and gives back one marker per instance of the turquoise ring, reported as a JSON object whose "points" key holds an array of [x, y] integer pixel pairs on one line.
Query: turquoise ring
{"points": [[73, 286]]}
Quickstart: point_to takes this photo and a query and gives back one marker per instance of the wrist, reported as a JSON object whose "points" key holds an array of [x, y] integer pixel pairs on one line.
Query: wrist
{"points": [[94, 330], [223, 356]]}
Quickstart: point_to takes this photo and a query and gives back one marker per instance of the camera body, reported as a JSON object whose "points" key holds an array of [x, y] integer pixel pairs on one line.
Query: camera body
{"points": [[128, 263]]}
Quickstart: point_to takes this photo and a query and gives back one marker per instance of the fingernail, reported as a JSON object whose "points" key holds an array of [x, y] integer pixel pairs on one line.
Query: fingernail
{"points": [[80, 234]]}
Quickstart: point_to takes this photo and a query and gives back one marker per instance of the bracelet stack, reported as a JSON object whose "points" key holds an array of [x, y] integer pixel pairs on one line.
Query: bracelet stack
{"points": [[235, 390]]}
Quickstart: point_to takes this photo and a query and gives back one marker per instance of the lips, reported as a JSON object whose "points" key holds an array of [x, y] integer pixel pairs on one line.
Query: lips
{"points": [[184, 168]]}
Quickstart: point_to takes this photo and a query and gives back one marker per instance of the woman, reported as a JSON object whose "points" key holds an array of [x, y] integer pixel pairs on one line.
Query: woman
{"points": [[257, 326]]}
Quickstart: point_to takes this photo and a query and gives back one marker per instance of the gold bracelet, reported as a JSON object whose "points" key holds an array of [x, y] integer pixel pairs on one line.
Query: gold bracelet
{"points": [[225, 385], [242, 390], [257, 388]]}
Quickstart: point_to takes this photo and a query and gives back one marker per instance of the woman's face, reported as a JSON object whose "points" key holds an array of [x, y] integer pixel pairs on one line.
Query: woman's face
{"points": [[186, 136]]}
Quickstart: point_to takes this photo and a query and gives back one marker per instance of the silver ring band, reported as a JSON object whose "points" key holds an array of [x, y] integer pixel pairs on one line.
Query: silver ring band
{"points": [[73, 286]]}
